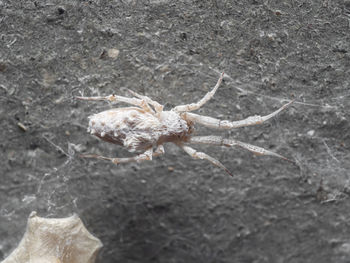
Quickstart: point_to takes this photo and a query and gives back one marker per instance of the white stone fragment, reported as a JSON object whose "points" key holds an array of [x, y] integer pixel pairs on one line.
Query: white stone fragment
{"points": [[113, 53], [311, 132], [55, 240]]}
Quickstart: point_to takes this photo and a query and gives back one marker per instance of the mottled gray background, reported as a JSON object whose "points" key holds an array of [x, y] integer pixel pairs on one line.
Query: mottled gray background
{"points": [[175, 209]]}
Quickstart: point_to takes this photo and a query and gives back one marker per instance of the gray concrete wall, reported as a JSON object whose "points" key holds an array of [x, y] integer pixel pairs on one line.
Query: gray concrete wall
{"points": [[175, 209]]}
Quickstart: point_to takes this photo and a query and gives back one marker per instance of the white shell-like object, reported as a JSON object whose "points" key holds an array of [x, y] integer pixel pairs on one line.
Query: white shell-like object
{"points": [[55, 240]]}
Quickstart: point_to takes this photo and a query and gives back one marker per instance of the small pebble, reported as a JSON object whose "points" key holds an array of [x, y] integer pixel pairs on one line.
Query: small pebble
{"points": [[113, 53], [22, 126], [311, 133]]}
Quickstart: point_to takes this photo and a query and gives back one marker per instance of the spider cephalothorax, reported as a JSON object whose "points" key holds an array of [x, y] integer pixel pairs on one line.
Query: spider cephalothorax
{"points": [[147, 127]]}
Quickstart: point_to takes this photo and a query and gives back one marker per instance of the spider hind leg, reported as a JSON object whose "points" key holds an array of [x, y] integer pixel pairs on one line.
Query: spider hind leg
{"points": [[147, 155], [157, 106], [115, 99]]}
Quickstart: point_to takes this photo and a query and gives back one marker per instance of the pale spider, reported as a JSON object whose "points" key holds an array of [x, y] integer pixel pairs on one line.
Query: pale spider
{"points": [[147, 126]]}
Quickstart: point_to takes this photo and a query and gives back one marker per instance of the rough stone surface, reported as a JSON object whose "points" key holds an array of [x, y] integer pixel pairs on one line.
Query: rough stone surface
{"points": [[175, 209]]}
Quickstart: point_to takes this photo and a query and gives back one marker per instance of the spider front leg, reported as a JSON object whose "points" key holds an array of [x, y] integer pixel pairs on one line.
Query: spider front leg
{"points": [[205, 99], [225, 124], [147, 155], [219, 141], [200, 155], [115, 99]]}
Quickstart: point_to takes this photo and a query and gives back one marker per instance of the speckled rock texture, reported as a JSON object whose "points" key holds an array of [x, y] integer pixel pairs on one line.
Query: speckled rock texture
{"points": [[175, 209]]}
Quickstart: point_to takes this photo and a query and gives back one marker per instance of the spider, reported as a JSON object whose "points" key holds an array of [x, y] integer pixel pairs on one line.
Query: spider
{"points": [[146, 127]]}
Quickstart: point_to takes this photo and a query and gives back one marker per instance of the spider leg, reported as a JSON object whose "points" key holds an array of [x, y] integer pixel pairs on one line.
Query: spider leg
{"points": [[115, 99], [219, 141], [200, 155], [225, 124], [157, 106], [205, 99], [147, 155]]}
